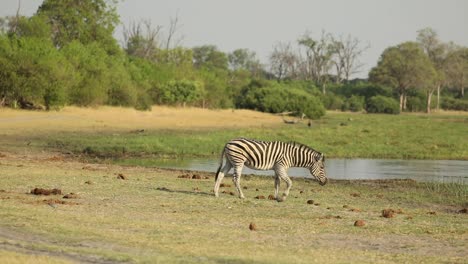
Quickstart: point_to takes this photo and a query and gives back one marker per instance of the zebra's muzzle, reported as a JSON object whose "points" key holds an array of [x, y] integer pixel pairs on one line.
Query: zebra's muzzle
{"points": [[323, 182]]}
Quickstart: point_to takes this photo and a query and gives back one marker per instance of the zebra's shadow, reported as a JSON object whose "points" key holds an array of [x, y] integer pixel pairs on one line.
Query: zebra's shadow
{"points": [[199, 193]]}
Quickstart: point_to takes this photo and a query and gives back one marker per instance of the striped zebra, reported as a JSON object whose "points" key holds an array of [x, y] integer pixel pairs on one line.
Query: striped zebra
{"points": [[264, 155]]}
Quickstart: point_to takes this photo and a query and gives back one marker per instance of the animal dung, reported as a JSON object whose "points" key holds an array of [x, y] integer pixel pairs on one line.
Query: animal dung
{"points": [[253, 227], [120, 176], [360, 223], [388, 213], [310, 201], [463, 211], [224, 185], [259, 197], [271, 197], [71, 196], [355, 194], [40, 191]]}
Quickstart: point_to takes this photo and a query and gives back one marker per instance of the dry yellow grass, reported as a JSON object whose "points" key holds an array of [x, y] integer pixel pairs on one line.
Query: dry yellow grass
{"points": [[116, 118]]}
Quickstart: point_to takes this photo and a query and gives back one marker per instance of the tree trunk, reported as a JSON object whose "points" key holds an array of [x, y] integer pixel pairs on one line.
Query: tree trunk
{"points": [[401, 102], [428, 102], [404, 102], [438, 97]]}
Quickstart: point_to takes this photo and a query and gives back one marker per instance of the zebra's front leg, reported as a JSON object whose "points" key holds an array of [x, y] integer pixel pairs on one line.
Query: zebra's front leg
{"points": [[236, 180]]}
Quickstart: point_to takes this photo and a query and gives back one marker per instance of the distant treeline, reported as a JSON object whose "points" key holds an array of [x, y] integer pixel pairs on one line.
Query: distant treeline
{"points": [[57, 58]]}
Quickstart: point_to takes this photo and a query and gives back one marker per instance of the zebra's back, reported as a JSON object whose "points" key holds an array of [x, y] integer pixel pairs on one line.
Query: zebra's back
{"points": [[255, 154]]}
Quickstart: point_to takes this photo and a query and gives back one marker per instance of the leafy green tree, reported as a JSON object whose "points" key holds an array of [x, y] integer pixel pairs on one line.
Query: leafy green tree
{"points": [[93, 75], [403, 67], [208, 56], [33, 73], [85, 21], [182, 92]]}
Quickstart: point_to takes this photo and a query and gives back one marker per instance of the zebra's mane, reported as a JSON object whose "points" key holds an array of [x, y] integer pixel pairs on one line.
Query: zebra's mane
{"points": [[298, 145]]}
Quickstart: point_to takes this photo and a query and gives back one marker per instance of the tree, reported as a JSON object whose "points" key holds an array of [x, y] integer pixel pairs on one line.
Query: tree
{"points": [[317, 62], [141, 39], [242, 59], [208, 56], [85, 21], [283, 61], [457, 68], [436, 52], [346, 56], [403, 67]]}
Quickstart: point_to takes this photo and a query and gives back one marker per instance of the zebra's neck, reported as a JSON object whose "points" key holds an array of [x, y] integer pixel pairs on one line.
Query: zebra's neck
{"points": [[301, 155]]}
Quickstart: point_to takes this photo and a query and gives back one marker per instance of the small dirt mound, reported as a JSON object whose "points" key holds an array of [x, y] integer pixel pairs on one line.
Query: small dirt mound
{"points": [[253, 227], [40, 191], [388, 213], [360, 223], [260, 197]]}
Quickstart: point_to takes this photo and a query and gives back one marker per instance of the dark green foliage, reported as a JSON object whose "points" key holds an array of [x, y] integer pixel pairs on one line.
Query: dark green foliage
{"points": [[354, 104], [448, 103], [382, 104]]}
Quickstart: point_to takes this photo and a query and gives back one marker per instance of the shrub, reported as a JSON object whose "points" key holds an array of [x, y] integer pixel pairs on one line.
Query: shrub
{"points": [[448, 103], [278, 98], [382, 104], [354, 103]]}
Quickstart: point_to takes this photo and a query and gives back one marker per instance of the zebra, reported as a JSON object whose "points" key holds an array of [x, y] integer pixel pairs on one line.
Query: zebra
{"points": [[265, 155]]}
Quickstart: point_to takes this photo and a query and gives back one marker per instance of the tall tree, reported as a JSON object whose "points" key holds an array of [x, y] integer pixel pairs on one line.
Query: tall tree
{"points": [[141, 39], [208, 56], [318, 55], [457, 68], [346, 56], [436, 52], [283, 61], [85, 21], [403, 67]]}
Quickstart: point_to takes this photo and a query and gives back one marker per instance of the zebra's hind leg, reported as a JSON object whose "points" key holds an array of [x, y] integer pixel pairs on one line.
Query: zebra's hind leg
{"points": [[277, 186], [236, 180], [281, 174], [221, 174]]}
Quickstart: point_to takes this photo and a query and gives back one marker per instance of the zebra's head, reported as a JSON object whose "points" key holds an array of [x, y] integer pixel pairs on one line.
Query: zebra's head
{"points": [[318, 169]]}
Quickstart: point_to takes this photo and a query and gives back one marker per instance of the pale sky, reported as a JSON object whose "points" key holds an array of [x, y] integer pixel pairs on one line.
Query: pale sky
{"points": [[259, 24]]}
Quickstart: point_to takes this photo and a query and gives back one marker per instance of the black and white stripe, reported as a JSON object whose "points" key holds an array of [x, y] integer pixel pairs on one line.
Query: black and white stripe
{"points": [[264, 155]]}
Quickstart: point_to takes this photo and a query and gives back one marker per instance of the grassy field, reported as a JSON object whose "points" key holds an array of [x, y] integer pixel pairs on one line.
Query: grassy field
{"points": [[169, 132], [154, 215]]}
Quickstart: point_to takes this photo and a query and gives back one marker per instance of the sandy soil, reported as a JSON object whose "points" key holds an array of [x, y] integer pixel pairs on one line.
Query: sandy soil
{"points": [[105, 118]]}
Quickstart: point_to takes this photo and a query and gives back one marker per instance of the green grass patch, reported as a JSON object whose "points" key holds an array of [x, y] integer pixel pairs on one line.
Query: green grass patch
{"points": [[338, 135]]}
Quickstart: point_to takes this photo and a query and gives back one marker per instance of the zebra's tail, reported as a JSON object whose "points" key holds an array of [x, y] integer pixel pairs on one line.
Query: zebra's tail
{"points": [[220, 163]]}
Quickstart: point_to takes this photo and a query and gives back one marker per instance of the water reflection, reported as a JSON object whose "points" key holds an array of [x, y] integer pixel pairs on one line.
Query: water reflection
{"points": [[419, 170]]}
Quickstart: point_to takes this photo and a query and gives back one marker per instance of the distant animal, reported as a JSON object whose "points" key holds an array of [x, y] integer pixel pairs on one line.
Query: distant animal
{"points": [[265, 155]]}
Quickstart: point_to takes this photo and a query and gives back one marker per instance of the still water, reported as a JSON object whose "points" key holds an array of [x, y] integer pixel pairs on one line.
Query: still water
{"points": [[446, 171]]}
